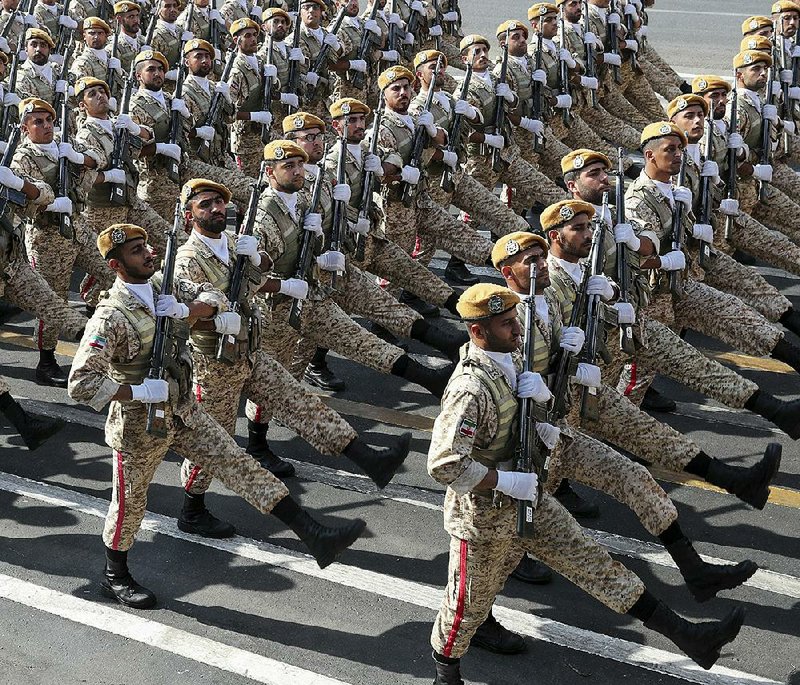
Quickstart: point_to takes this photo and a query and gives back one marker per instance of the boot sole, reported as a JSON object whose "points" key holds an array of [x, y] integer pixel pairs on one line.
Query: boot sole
{"points": [[386, 477], [773, 458], [730, 627], [353, 533], [748, 568], [491, 647], [204, 532], [108, 592]]}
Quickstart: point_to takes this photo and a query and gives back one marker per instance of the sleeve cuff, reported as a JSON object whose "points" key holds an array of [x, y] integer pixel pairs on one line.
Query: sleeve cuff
{"points": [[469, 479], [103, 396]]}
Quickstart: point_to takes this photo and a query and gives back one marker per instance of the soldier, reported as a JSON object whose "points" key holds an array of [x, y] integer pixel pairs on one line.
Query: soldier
{"points": [[49, 15], [232, 10], [168, 35], [95, 60], [15, 36], [202, 16], [472, 447], [350, 62], [128, 16], [35, 78], [112, 365]]}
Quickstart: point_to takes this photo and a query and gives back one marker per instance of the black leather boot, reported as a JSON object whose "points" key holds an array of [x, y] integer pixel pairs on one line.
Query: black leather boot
{"points": [[118, 583], [787, 353], [439, 338], [705, 580], [426, 309], [533, 571], [451, 302], [386, 335], [198, 520], [318, 374], [492, 636], [433, 380], [791, 319], [447, 673], [34, 430], [749, 484], [574, 503], [379, 464], [785, 414], [259, 449], [655, 401], [457, 272], [48, 372]]}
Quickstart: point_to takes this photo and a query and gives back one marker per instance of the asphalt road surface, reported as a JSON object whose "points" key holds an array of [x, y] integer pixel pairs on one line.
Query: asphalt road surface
{"points": [[255, 609]]}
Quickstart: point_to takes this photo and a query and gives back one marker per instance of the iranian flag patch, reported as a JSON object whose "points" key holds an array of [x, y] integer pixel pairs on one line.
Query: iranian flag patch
{"points": [[98, 342], [467, 428]]}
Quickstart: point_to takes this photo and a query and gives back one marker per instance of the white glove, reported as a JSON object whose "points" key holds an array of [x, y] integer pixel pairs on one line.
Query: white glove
{"points": [[589, 82], [217, 55], [224, 89], [256, 12], [372, 25], [294, 287], [565, 56], [494, 141], [151, 391], [770, 113], [186, 36], [504, 91], [311, 78], [729, 207], [588, 375], [776, 89], [125, 121], [465, 109], [796, 51], [331, 260], [9, 179], [625, 312], [61, 86], [313, 222], [61, 205], [425, 119], [214, 15], [789, 126], [115, 64], [247, 246], [408, 39], [4, 46], [786, 75], [572, 339], [296, 55], [332, 41], [360, 227], [270, 71], [358, 65], [641, 34], [794, 93], [684, 195], [228, 323], [600, 285], [763, 172], [342, 192], [710, 168], [179, 106], [290, 100], [612, 59], [589, 38], [631, 46], [373, 164], [112, 104], [563, 101], [450, 158], [548, 434], [205, 132], [673, 261], [30, 20], [704, 232], [435, 31], [735, 141], [417, 6], [69, 23], [613, 18], [169, 150], [168, 305], [58, 59], [116, 176], [624, 233], [410, 175], [533, 125], [518, 485], [3, 147], [264, 118], [395, 19], [531, 385], [171, 75], [539, 76], [450, 16], [390, 56]]}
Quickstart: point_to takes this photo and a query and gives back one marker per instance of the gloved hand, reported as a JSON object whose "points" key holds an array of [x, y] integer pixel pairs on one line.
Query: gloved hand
{"points": [[539, 76], [311, 78], [710, 168], [794, 92], [342, 192], [9, 179], [410, 174], [61, 205], [450, 16], [612, 59], [518, 485], [179, 105], [435, 31], [11, 100], [408, 39], [168, 305], [613, 18], [187, 36], [313, 222], [3, 147], [776, 90], [572, 339], [504, 91], [264, 118], [684, 195], [116, 176], [247, 246], [417, 6], [589, 82], [4, 46], [69, 23], [115, 64], [205, 132], [294, 287], [494, 141], [531, 385], [588, 375], [548, 434], [565, 55], [735, 141], [332, 42], [624, 233], [729, 207], [372, 25], [395, 19], [150, 391], [425, 119], [256, 12], [332, 260], [30, 20], [112, 104], [358, 65], [450, 158], [770, 113], [214, 15], [534, 126], [673, 261], [763, 172], [631, 46], [465, 109], [563, 101], [290, 100], [704, 232], [169, 150], [589, 38], [360, 227], [390, 56], [786, 76], [626, 314], [641, 34], [171, 75], [224, 89], [600, 285], [373, 164], [228, 323], [789, 126], [270, 71], [60, 86], [296, 55]]}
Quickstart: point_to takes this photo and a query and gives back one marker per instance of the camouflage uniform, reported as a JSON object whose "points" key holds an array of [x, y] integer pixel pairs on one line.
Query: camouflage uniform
{"points": [[16, 31], [35, 82], [247, 91], [127, 49], [201, 24], [311, 45], [47, 16], [81, 9], [167, 40], [349, 36]]}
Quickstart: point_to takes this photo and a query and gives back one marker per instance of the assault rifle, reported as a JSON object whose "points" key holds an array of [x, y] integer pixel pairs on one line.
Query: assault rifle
{"points": [[785, 110], [626, 342], [454, 134], [65, 227], [766, 134], [733, 161], [322, 55], [112, 73], [437, 21], [591, 65], [631, 33], [269, 83], [392, 38], [65, 35], [215, 108], [452, 26], [563, 67], [500, 110], [613, 40], [367, 39], [705, 194], [60, 98], [675, 285], [9, 195], [9, 112], [340, 206], [537, 101], [176, 119], [293, 86], [119, 195], [367, 181]]}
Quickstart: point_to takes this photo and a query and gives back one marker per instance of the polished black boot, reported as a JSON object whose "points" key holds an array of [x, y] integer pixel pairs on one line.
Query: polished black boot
{"points": [[785, 414], [791, 319], [48, 372], [386, 335], [119, 585], [655, 401], [787, 353], [451, 302], [34, 430], [494, 637], [533, 571], [574, 503], [379, 464], [457, 272], [448, 671], [433, 380], [749, 484], [744, 258], [428, 310], [319, 375], [198, 520], [259, 449], [439, 338]]}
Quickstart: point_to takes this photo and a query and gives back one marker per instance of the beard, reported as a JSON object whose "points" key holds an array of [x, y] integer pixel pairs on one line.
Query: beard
{"points": [[213, 224]]}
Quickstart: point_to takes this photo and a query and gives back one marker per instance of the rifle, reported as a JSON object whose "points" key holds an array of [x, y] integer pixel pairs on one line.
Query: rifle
{"points": [[705, 195], [626, 343], [391, 39], [594, 315], [412, 28], [420, 138], [175, 122], [356, 77], [15, 197], [591, 67], [340, 206], [113, 72], [102, 10], [437, 21], [307, 248], [733, 175], [537, 104], [780, 59], [631, 31], [675, 285], [215, 108], [613, 40], [322, 55], [365, 206], [119, 195], [64, 34], [213, 27], [9, 112], [268, 83], [293, 87], [500, 110], [151, 27], [227, 345], [563, 68], [65, 227], [454, 134], [452, 26], [766, 135], [156, 424], [60, 98]]}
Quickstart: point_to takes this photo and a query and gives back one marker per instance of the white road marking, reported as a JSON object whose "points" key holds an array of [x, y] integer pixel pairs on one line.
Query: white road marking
{"points": [[195, 647], [409, 592]]}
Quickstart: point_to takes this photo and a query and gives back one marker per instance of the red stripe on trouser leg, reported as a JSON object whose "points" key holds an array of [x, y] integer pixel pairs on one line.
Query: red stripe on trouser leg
{"points": [[198, 392], [462, 592], [120, 501], [632, 383], [258, 415], [417, 248], [90, 281], [191, 479]]}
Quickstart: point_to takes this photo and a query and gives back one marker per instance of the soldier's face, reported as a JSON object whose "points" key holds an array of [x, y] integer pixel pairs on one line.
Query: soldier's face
{"points": [[209, 212], [547, 25], [591, 183], [574, 239], [518, 272], [151, 74], [130, 21], [288, 175], [278, 26], [478, 55], [787, 21], [754, 76], [517, 43], [573, 11], [398, 95], [38, 51], [134, 262], [199, 63], [691, 121], [356, 127], [425, 73], [169, 11], [10, 4], [95, 101], [717, 102], [95, 38], [501, 333], [312, 140], [247, 41], [310, 14], [39, 127], [666, 154], [350, 7]]}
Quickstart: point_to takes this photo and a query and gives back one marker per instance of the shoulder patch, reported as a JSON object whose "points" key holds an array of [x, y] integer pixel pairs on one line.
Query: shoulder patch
{"points": [[467, 428]]}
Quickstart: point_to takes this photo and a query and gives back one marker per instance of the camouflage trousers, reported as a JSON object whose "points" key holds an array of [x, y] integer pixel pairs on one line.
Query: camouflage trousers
{"points": [[249, 154], [228, 174], [219, 386], [640, 94], [580, 135], [770, 246], [205, 442], [159, 192], [667, 72], [609, 127], [4, 386], [658, 80], [778, 211], [54, 258], [613, 100], [478, 569], [550, 153]]}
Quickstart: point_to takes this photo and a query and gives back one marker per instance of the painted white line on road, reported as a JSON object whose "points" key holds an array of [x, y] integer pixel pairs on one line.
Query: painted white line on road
{"points": [[408, 592], [195, 647]]}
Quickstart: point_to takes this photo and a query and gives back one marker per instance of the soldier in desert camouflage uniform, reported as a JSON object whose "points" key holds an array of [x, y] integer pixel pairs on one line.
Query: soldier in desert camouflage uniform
{"points": [[127, 15], [95, 59]]}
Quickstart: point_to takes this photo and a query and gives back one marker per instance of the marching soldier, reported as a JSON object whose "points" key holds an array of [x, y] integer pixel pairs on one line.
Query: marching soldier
{"points": [[15, 36], [36, 78], [168, 35], [95, 60], [128, 16]]}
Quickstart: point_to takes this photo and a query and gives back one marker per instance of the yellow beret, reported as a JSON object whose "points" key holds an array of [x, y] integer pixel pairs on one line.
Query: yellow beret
{"points": [[704, 83], [661, 129], [681, 102], [126, 6], [39, 34], [754, 23], [748, 58], [96, 23], [428, 56], [198, 44], [345, 106], [271, 12], [31, 105], [514, 243], [90, 82], [511, 25], [484, 300], [201, 185], [146, 55], [392, 74], [578, 159], [242, 24], [279, 150], [561, 212], [473, 39], [755, 42], [540, 9], [785, 6], [302, 120], [118, 234]]}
